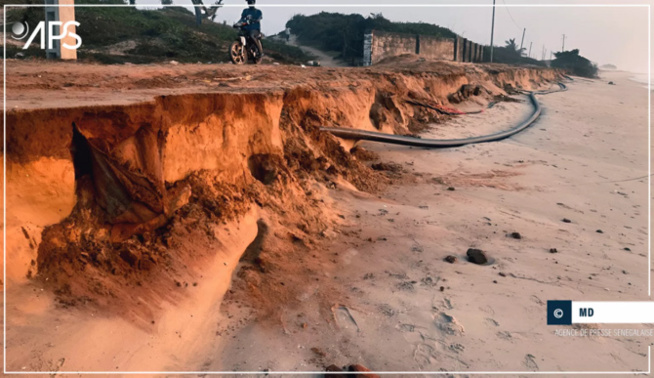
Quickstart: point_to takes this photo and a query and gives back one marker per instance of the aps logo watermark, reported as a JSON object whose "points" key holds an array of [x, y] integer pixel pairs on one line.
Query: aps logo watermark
{"points": [[20, 30]]}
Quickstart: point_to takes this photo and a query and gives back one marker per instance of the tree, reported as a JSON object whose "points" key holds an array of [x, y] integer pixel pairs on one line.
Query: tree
{"points": [[574, 63], [512, 47]]}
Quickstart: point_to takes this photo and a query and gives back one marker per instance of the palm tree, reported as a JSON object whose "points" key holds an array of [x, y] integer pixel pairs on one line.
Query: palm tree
{"points": [[513, 47]]}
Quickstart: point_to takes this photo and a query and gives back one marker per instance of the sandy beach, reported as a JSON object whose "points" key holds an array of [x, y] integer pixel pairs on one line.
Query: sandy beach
{"points": [[561, 210], [585, 160]]}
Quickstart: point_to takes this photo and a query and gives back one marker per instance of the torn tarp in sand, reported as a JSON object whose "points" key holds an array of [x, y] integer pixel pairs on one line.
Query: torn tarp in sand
{"points": [[127, 177]]}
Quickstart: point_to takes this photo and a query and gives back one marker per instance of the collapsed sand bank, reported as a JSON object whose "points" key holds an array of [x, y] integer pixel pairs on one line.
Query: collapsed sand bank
{"points": [[132, 162]]}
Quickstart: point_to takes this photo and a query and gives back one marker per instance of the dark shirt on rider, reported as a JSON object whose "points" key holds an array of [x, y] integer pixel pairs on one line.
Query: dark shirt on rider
{"points": [[255, 17]]}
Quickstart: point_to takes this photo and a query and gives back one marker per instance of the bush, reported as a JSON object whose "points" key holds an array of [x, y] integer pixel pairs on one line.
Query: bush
{"points": [[507, 55], [575, 64]]}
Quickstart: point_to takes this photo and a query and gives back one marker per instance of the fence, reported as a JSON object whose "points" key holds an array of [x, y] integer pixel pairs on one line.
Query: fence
{"points": [[379, 45]]}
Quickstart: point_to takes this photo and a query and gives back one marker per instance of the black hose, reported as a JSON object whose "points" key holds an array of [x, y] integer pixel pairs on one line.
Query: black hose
{"points": [[442, 143], [562, 88], [441, 111]]}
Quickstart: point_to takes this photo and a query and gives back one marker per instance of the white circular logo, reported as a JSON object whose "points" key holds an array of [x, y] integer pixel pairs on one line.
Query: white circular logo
{"points": [[20, 30], [558, 313]]}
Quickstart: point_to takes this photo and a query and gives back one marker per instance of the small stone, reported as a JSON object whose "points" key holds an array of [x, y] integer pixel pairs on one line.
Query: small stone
{"points": [[494, 281], [599, 231], [451, 259], [627, 249], [442, 288], [624, 272], [515, 235], [566, 220], [476, 256], [451, 188], [553, 250], [502, 274]]}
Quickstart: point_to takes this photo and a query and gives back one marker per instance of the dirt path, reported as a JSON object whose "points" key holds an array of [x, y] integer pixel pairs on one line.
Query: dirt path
{"points": [[325, 59]]}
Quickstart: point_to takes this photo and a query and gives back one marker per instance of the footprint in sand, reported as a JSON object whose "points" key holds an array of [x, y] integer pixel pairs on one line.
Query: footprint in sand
{"points": [[492, 322], [530, 362], [506, 335], [423, 354], [445, 303], [457, 348], [344, 318], [448, 324]]}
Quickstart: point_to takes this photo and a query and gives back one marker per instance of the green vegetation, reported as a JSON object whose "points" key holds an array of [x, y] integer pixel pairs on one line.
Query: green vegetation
{"points": [[513, 48], [575, 64], [344, 33], [511, 53], [119, 35]]}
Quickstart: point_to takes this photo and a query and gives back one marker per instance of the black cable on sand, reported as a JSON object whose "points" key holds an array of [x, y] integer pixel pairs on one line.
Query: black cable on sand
{"points": [[373, 136]]}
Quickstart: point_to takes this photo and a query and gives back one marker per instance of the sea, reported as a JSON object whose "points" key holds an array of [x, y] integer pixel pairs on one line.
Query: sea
{"points": [[642, 79]]}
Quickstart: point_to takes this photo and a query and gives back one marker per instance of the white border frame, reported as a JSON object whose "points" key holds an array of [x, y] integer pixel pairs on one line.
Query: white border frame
{"points": [[649, 189]]}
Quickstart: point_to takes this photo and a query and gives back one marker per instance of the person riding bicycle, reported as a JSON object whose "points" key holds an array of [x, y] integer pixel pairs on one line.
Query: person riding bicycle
{"points": [[252, 17]]}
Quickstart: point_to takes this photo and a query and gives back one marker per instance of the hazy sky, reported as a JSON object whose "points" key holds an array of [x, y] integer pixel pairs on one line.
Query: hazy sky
{"points": [[616, 35]]}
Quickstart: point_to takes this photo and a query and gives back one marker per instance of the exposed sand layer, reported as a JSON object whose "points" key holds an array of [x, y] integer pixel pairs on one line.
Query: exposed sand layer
{"points": [[333, 261]]}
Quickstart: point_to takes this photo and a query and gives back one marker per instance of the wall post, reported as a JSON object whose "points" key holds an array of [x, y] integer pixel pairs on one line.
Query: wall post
{"points": [[53, 12]]}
